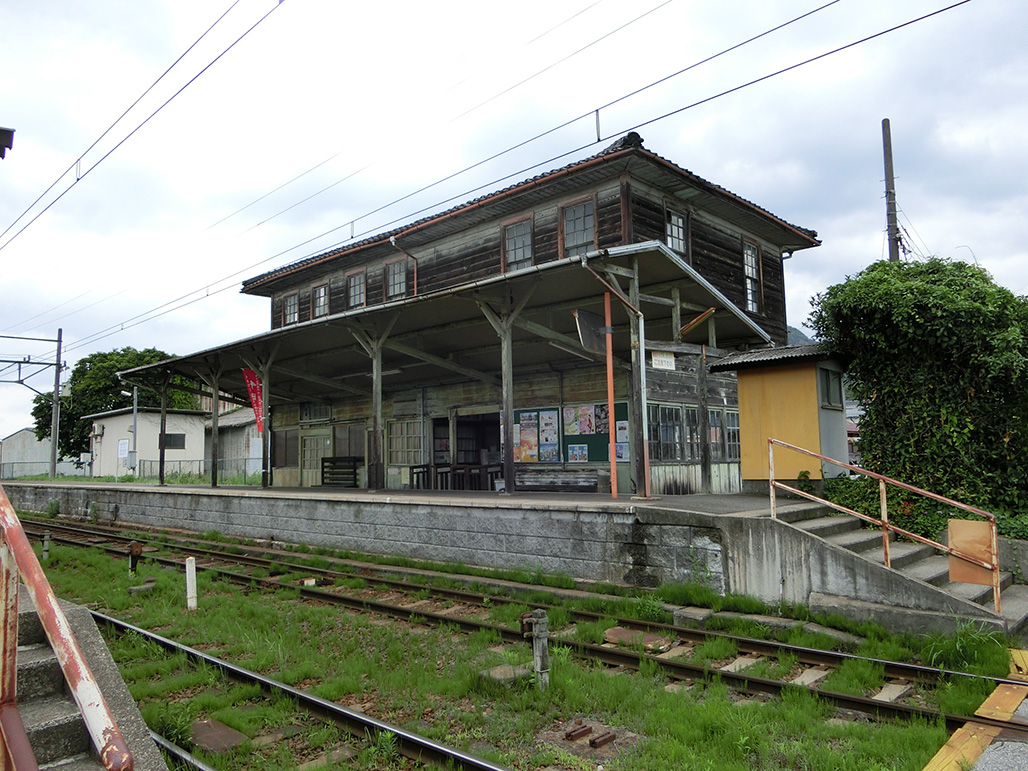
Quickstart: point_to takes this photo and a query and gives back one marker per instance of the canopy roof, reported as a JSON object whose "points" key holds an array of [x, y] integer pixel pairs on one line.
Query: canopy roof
{"points": [[446, 336]]}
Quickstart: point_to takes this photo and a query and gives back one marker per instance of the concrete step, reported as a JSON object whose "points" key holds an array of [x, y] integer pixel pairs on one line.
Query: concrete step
{"points": [[39, 672], [1014, 608], [54, 727], [826, 526], [82, 762], [902, 554], [932, 570], [796, 514], [859, 540]]}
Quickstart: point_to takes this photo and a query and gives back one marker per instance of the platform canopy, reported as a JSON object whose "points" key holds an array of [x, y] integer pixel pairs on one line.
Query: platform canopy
{"points": [[447, 336]]}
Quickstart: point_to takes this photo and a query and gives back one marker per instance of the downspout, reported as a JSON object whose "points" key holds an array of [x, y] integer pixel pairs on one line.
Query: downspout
{"points": [[411, 257]]}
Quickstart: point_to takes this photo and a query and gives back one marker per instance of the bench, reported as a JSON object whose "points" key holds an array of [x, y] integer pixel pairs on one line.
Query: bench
{"points": [[557, 480], [340, 471]]}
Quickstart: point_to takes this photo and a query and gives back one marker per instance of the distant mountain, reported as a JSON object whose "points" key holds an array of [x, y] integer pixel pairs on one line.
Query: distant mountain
{"points": [[797, 338]]}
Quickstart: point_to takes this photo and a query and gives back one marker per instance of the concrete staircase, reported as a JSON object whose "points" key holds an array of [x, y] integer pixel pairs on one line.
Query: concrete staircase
{"points": [[52, 720], [915, 562]]}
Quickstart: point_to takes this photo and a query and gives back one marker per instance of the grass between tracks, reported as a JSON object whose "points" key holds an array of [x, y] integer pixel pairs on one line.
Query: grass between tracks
{"points": [[426, 679]]}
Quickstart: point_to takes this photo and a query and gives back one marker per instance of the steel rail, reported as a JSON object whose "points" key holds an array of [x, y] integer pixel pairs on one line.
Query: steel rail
{"points": [[409, 744], [804, 655]]}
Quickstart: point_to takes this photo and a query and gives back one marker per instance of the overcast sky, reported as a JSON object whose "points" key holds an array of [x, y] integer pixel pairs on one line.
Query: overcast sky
{"points": [[311, 129]]}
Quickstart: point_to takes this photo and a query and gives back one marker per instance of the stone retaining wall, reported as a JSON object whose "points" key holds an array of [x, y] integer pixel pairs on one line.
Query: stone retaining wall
{"points": [[589, 541]]}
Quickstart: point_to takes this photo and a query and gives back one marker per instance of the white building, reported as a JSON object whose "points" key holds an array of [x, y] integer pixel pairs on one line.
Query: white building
{"points": [[23, 455], [111, 442]]}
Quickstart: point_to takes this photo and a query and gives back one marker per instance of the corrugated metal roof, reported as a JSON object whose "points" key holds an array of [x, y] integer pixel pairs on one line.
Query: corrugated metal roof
{"points": [[771, 356], [442, 223]]}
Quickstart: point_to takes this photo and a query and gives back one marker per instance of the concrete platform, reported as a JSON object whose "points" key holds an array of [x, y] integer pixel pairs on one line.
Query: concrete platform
{"points": [[728, 543]]}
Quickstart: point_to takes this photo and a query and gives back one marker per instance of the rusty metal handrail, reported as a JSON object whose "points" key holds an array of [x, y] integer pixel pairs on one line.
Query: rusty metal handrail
{"points": [[883, 522], [18, 557]]}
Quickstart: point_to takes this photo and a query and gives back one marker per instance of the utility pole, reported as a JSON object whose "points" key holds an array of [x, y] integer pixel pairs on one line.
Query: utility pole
{"points": [[55, 421], [890, 194]]}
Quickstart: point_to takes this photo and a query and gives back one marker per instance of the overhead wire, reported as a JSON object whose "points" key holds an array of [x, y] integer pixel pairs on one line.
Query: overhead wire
{"points": [[373, 162], [118, 120], [138, 127], [557, 128], [166, 307]]}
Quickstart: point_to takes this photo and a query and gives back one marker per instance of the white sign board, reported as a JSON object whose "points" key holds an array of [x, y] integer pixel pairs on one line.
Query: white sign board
{"points": [[662, 359]]}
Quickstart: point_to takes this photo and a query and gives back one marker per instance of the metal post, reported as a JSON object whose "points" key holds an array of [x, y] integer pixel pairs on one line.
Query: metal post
{"points": [[611, 423], [55, 421], [883, 498], [771, 477]]}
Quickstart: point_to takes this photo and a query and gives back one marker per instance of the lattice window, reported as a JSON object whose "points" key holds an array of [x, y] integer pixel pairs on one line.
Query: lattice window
{"points": [[579, 228], [517, 245]]}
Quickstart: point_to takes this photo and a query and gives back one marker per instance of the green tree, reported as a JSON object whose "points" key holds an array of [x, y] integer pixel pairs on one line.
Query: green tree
{"points": [[939, 361], [94, 387]]}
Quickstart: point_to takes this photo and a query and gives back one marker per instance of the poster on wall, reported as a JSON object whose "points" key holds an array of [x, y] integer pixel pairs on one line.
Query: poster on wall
{"points": [[602, 419], [578, 453], [549, 437], [586, 419], [571, 421], [528, 445], [621, 452], [621, 431]]}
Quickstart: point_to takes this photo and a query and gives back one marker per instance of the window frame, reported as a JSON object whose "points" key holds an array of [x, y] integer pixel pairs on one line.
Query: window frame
{"points": [[829, 379], [409, 433], [505, 250], [351, 281], [733, 437], [753, 277], [285, 447], [580, 247], [665, 432], [177, 441], [319, 307], [291, 299], [683, 239], [398, 265]]}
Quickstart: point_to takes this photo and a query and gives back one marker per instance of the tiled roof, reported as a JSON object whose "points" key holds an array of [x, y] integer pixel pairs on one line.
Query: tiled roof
{"points": [[631, 142]]}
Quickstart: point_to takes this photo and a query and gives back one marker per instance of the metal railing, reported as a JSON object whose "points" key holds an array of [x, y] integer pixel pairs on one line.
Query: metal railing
{"points": [[17, 557], [883, 522]]}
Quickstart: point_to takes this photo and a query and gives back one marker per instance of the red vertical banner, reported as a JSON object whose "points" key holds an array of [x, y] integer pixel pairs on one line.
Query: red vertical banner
{"points": [[253, 387]]}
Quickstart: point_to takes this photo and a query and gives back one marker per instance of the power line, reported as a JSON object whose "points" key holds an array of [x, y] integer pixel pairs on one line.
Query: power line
{"points": [[167, 307], [452, 120], [548, 131], [146, 120]]}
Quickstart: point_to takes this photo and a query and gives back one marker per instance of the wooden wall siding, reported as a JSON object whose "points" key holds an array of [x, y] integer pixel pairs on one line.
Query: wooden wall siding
{"points": [[685, 479], [609, 230], [717, 256], [681, 385], [648, 217]]}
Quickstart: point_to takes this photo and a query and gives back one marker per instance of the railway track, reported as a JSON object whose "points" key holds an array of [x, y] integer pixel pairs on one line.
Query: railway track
{"points": [[408, 601]]}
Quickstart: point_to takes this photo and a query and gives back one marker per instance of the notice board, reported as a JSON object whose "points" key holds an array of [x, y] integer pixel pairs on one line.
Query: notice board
{"points": [[573, 433]]}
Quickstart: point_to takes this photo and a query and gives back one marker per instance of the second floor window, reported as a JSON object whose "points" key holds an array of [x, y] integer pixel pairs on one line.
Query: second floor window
{"points": [[290, 309], [517, 245], [396, 279], [355, 290], [676, 232], [579, 228], [751, 276], [319, 301]]}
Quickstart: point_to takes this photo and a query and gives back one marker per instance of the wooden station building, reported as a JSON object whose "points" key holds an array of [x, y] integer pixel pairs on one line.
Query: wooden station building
{"points": [[522, 340]]}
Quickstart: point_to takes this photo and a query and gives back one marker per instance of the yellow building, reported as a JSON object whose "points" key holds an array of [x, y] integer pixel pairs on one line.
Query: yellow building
{"points": [[794, 394]]}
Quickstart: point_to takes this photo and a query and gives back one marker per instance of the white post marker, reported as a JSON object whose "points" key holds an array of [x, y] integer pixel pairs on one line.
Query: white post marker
{"points": [[191, 583]]}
